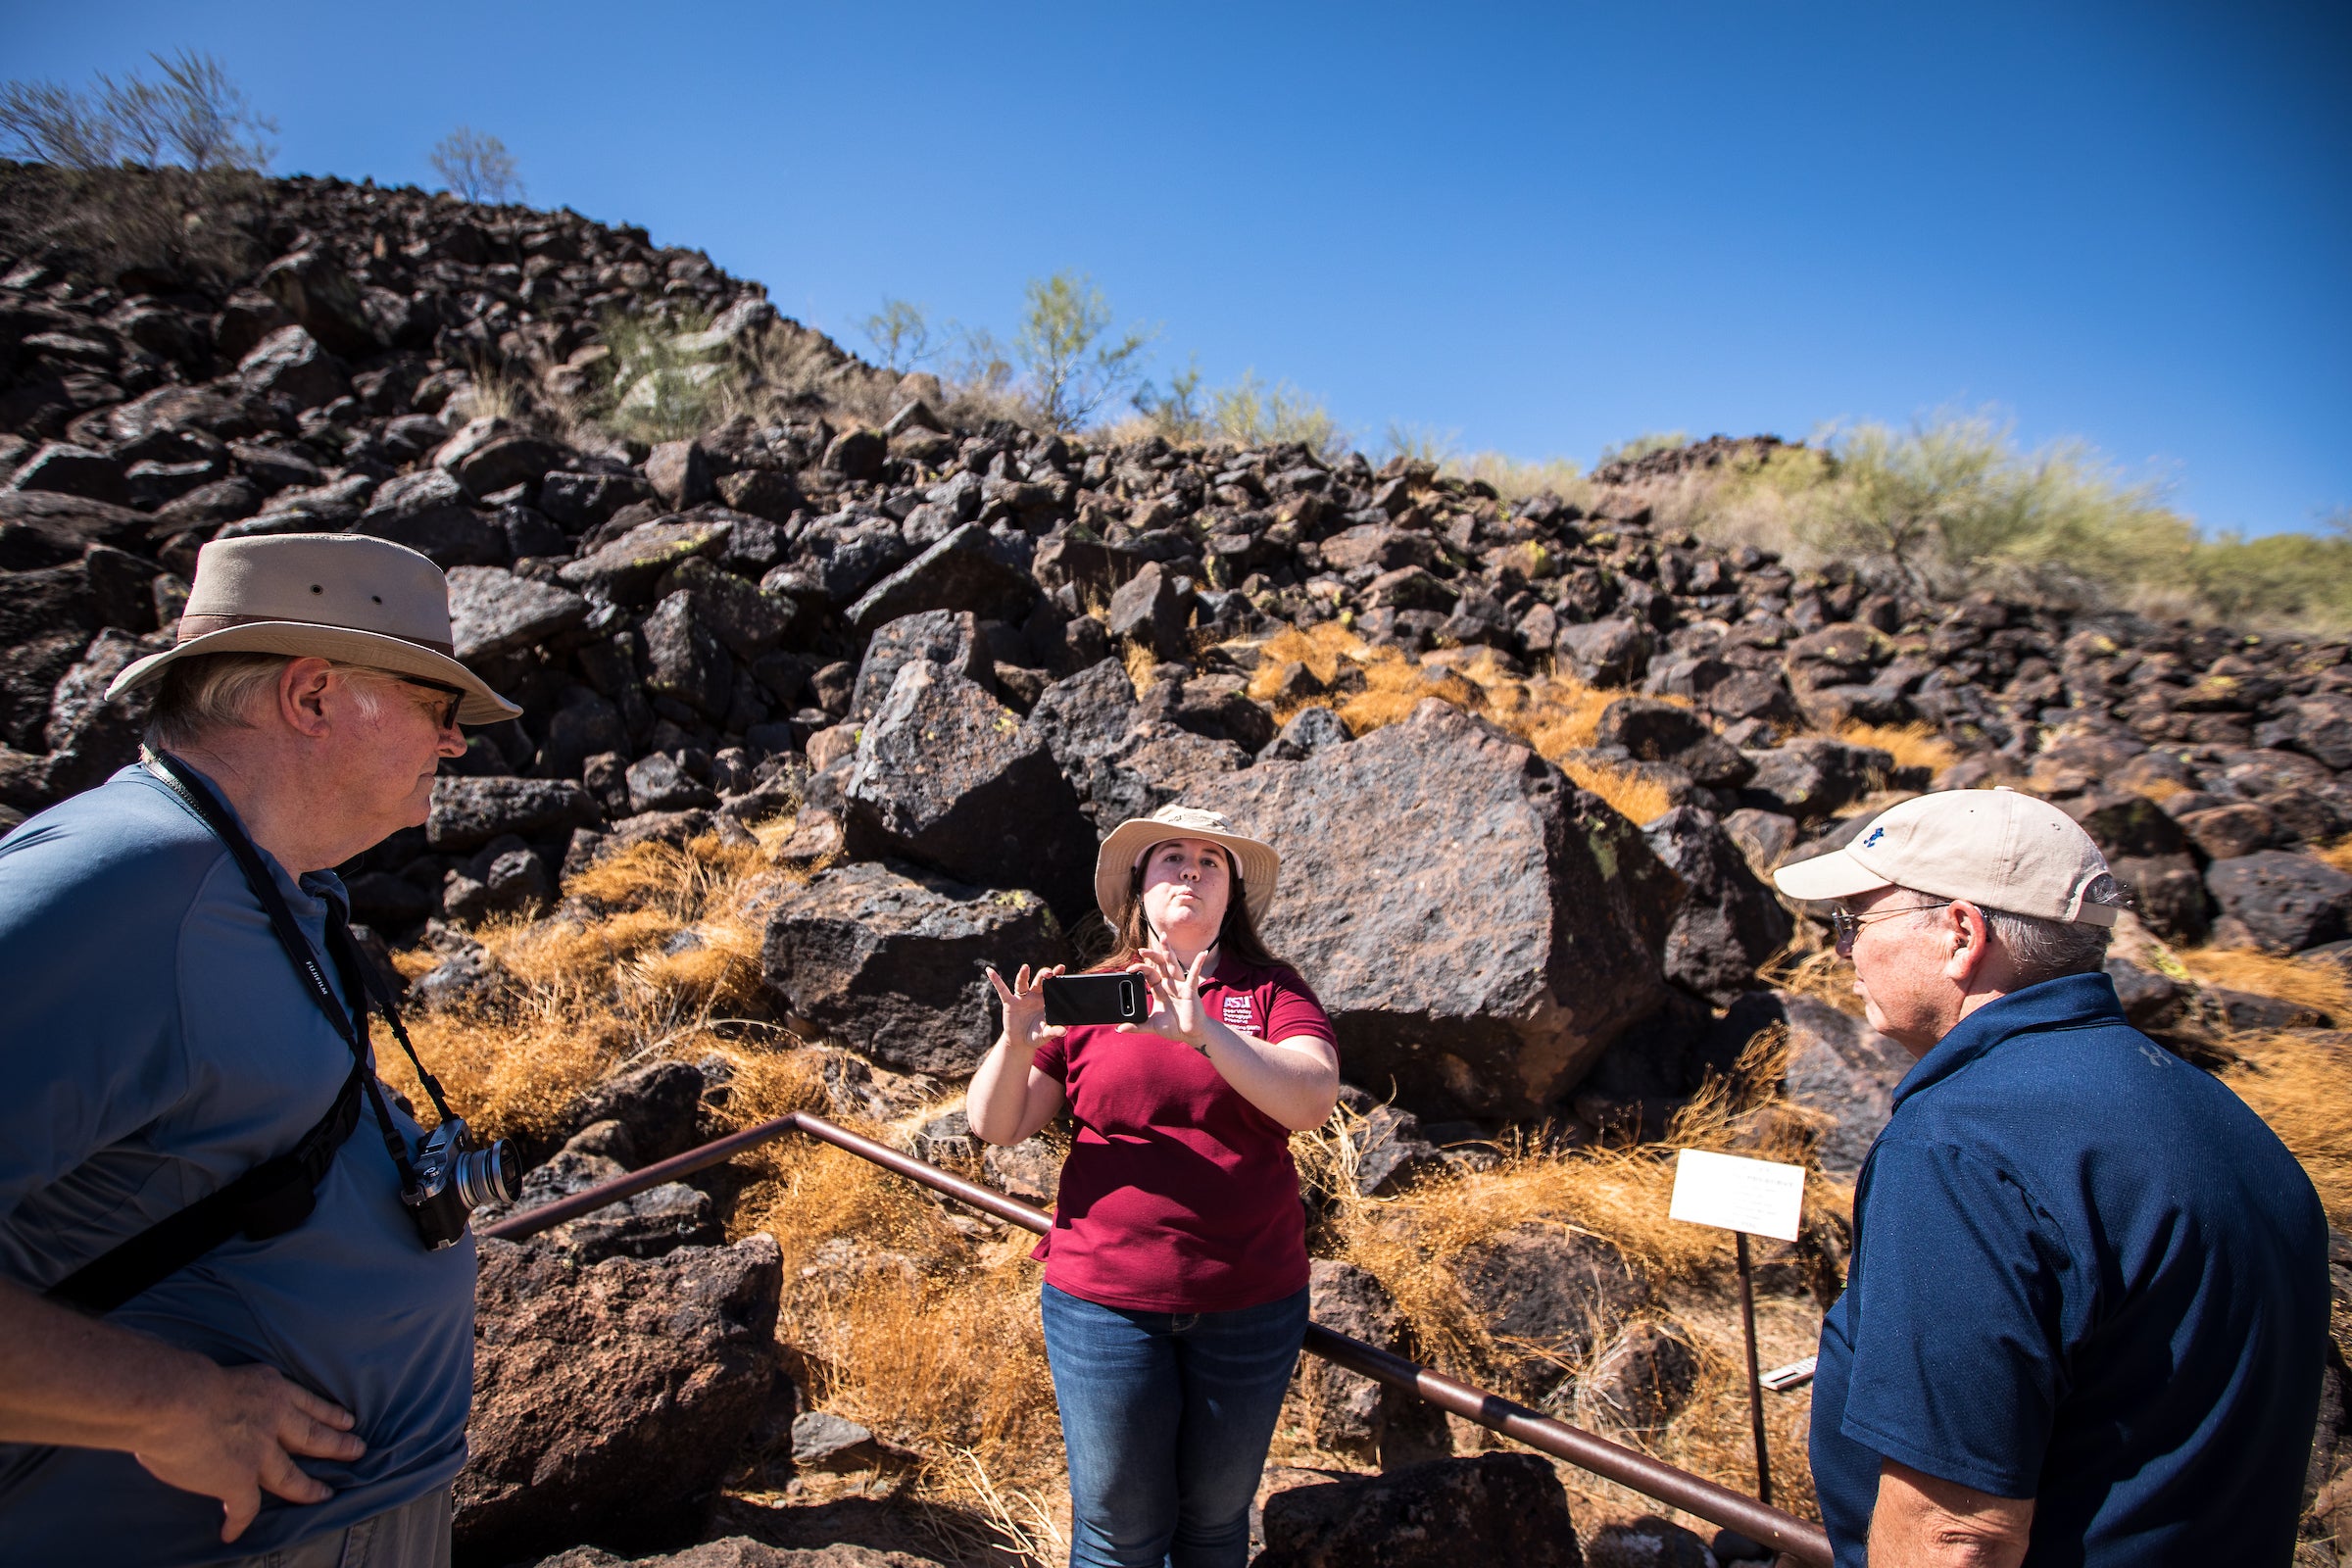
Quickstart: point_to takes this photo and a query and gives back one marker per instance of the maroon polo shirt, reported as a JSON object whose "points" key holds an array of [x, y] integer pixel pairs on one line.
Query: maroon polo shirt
{"points": [[1179, 1196]]}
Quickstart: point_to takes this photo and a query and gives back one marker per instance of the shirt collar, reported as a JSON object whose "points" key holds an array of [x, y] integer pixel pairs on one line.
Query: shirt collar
{"points": [[313, 888], [2067, 1002]]}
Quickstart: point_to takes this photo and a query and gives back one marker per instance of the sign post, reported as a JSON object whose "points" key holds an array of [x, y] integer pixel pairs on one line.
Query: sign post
{"points": [[1743, 1197]]}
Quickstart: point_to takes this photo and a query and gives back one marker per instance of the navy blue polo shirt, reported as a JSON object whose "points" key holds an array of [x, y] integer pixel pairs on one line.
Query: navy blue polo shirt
{"points": [[2085, 1273]]}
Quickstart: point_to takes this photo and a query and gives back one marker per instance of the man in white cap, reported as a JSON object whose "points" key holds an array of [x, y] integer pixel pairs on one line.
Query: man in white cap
{"points": [[2087, 1308], [222, 1331]]}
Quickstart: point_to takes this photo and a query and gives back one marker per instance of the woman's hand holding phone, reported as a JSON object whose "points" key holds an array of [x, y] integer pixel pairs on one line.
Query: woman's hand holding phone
{"points": [[1179, 1016], [1025, 1002]]}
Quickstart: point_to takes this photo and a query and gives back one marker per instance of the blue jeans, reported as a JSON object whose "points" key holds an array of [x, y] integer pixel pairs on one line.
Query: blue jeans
{"points": [[1166, 1417]]}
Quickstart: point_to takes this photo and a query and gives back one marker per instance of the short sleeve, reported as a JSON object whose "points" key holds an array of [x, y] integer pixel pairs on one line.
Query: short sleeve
{"points": [[1053, 1059], [91, 1051], [1293, 1010], [1954, 1311]]}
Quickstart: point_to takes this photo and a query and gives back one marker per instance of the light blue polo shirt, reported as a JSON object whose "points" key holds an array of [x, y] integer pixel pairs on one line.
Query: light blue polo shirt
{"points": [[155, 1043]]}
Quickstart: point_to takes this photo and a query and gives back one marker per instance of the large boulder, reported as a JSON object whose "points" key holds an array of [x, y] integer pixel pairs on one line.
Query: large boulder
{"points": [[492, 611], [291, 363], [1498, 1510], [610, 1402], [1478, 928], [1729, 922], [430, 513], [1812, 776], [626, 570], [968, 569], [890, 963], [948, 638], [1348, 1412], [1549, 1296], [1844, 1071], [2288, 901], [468, 812], [949, 777]]}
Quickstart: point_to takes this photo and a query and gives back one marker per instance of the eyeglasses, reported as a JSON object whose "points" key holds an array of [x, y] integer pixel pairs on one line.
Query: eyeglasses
{"points": [[1845, 926], [445, 709]]}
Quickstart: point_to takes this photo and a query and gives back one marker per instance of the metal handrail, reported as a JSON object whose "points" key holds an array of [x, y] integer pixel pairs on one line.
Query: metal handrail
{"points": [[1796, 1541]]}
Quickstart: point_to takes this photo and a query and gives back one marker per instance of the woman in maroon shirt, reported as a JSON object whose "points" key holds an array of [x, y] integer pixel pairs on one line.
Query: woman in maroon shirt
{"points": [[1175, 1292]]}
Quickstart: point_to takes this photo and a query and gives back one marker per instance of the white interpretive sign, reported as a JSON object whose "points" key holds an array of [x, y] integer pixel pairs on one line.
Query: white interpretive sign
{"points": [[1757, 1195]]}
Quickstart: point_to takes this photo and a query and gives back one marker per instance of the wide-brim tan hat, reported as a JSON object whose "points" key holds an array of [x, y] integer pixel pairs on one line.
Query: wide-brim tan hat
{"points": [[1115, 864], [340, 596], [1996, 848]]}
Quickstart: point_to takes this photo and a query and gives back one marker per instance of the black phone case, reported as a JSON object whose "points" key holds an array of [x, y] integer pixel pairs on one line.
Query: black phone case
{"points": [[1095, 999]]}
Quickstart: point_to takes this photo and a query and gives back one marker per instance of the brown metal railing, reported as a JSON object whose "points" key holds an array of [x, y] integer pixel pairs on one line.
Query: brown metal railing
{"points": [[1796, 1541]]}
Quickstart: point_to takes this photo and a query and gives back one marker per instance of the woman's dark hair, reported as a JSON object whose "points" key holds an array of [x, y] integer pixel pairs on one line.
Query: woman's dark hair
{"points": [[1236, 935]]}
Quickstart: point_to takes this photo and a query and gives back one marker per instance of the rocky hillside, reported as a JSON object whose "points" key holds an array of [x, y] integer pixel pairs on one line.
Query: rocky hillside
{"points": [[1527, 761]]}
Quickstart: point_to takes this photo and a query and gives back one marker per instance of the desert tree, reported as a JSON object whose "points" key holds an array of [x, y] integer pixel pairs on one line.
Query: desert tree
{"points": [[195, 118], [476, 167], [900, 333], [1074, 366]]}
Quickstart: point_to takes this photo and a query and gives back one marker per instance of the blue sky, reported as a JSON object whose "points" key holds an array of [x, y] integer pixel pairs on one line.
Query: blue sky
{"points": [[1540, 229]]}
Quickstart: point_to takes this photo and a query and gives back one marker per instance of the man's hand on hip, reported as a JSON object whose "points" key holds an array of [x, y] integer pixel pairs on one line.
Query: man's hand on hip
{"points": [[231, 1432], [238, 1439]]}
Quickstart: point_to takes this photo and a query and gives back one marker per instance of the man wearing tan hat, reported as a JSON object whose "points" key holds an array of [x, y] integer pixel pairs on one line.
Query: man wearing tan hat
{"points": [[2088, 1303], [222, 1331]]}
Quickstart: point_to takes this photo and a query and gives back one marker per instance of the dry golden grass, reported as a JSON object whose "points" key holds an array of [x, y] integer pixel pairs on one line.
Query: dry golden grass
{"points": [[2338, 855], [2301, 1084], [1636, 799], [2159, 790], [667, 949], [1912, 744], [2314, 983]]}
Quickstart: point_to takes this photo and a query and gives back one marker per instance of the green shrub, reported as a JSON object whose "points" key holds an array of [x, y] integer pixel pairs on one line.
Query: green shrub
{"points": [[1251, 414], [650, 388]]}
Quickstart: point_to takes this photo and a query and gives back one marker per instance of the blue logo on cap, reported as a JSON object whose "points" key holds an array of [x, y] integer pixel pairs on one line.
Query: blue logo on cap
{"points": [[1876, 834]]}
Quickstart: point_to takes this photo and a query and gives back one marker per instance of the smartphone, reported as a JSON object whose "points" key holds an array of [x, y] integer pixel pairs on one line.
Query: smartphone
{"points": [[1095, 999]]}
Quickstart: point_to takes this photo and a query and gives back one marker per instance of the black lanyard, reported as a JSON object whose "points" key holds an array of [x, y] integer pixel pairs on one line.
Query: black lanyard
{"points": [[351, 1025]]}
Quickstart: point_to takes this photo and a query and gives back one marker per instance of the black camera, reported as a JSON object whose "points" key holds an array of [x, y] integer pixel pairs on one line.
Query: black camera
{"points": [[453, 1178]]}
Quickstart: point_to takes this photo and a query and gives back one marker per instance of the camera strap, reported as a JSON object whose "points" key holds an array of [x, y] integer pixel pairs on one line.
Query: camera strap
{"points": [[279, 1193]]}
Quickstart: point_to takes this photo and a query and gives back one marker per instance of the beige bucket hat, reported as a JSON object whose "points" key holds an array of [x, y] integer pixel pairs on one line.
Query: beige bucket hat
{"points": [[1133, 839], [1994, 848], [340, 596]]}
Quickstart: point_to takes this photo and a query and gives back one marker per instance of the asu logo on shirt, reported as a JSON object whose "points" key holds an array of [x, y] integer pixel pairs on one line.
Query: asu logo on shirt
{"points": [[1236, 1009]]}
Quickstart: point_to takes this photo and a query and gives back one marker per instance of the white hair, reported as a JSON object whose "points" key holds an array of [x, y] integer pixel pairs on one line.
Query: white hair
{"points": [[2040, 949], [211, 692]]}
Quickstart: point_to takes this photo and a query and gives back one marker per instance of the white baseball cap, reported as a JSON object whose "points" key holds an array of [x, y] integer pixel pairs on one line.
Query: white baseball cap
{"points": [[1994, 848]]}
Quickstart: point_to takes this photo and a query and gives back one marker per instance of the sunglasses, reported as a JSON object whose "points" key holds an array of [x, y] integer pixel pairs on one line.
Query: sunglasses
{"points": [[444, 710], [1845, 926]]}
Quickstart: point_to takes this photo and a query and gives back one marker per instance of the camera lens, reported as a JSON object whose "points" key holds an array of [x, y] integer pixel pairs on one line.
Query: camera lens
{"points": [[490, 1175]]}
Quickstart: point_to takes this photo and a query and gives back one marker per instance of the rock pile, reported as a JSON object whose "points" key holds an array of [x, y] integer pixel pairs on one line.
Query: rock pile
{"points": [[954, 654]]}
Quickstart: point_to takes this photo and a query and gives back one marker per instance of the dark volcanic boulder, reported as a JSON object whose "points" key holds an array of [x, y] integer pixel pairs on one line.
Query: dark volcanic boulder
{"points": [[1498, 1510], [468, 812], [1549, 1296], [1729, 922], [969, 569], [949, 777], [493, 612], [1150, 607], [948, 638], [1348, 1412], [1087, 715], [610, 1402], [1844, 1069], [89, 736], [890, 965], [291, 363], [1478, 928], [428, 512], [2288, 902], [1813, 775], [627, 569], [1641, 1382]]}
